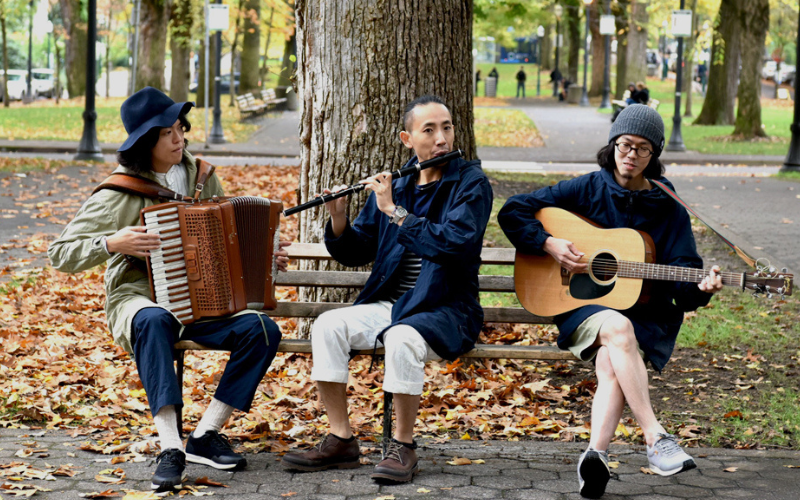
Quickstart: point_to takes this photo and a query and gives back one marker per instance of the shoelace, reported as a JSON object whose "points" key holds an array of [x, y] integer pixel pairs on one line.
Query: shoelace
{"points": [[321, 444], [393, 452], [668, 444], [219, 441], [170, 457]]}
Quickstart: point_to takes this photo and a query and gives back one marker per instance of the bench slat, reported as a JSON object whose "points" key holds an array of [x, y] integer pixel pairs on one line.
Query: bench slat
{"points": [[317, 251], [493, 351], [491, 314], [356, 279]]}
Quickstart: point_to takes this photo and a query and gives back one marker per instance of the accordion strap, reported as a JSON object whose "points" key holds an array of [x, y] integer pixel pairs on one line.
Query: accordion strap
{"points": [[133, 184]]}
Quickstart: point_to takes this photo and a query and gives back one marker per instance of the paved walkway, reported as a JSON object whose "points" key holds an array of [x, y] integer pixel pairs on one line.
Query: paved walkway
{"points": [[510, 470]]}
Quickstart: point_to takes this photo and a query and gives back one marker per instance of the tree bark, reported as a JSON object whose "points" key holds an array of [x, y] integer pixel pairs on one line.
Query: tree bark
{"points": [[265, 66], [237, 30], [597, 51], [753, 23], [180, 44], [636, 59], [75, 47], [688, 56], [573, 22], [620, 11], [6, 104], [152, 44], [251, 46], [201, 75], [723, 71], [359, 64], [546, 51]]}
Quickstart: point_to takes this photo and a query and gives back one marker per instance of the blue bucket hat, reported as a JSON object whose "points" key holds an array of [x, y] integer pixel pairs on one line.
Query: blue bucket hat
{"points": [[147, 109]]}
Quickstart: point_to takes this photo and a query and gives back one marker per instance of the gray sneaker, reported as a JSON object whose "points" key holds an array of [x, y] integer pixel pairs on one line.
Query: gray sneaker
{"points": [[666, 457], [593, 473]]}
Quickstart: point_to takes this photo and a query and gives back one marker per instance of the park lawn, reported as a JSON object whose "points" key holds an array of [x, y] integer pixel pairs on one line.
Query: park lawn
{"points": [[731, 381], [46, 121], [498, 127], [507, 81]]}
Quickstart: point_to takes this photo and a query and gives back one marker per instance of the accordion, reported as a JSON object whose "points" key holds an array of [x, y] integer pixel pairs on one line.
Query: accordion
{"points": [[216, 256]]}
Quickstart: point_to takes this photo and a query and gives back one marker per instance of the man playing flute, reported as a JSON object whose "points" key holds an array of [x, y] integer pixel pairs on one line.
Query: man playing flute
{"points": [[423, 233]]}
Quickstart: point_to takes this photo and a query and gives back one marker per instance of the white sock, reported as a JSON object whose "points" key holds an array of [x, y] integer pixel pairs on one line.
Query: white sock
{"points": [[214, 418], [167, 428]]}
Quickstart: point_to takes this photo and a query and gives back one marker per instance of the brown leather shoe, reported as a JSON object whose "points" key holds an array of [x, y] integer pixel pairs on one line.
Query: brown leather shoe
{"points": [[399, 465], [330, 453]]}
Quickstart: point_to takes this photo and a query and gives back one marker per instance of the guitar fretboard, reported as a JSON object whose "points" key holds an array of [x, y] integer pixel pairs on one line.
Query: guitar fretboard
{"points": [[673, 273]]}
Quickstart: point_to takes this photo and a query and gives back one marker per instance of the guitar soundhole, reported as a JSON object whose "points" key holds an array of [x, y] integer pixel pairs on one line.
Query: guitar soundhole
{"points": [[604, 267]]}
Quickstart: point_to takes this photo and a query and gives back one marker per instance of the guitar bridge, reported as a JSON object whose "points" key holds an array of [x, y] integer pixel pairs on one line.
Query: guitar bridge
{"points": [[564, 276]]}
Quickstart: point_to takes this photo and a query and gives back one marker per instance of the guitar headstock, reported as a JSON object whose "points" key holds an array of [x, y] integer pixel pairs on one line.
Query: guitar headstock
{"points": [[769, 281]]}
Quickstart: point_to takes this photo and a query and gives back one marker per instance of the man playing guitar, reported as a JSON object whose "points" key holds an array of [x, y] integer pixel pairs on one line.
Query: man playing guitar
{"points": [[621, 342]]}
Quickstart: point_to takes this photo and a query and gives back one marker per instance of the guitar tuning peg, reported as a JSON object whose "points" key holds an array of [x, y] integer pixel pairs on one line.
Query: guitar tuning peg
{"points": [[784, 270], [769, 295]]}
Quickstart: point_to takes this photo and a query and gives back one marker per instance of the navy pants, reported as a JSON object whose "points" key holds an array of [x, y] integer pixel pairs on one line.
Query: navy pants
{"points": [[252, 340]]}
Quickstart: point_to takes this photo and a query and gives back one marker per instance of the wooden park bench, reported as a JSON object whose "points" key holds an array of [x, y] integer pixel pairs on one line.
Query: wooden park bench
{"points": [[270, 99], [249, 105], [350, 279]]}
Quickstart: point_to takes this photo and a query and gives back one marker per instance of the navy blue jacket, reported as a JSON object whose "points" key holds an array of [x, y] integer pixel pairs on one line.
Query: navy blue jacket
{"points": [[443, 306], [598, 197]]}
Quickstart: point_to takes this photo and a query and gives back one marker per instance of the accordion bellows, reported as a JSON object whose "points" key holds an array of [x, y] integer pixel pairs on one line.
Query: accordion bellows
{"points": [[216, 256]]}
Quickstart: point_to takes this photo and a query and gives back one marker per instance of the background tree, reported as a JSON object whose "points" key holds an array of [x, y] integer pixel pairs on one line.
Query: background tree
{"points": [[636, 57], [152, 44], [73, 15], [723, 71], [572, 25], [753, 23], [12, 13], [359, 63], [181, 23], [689, 54], [251, 46], [546, 50], [597, 48], [620, 11]]}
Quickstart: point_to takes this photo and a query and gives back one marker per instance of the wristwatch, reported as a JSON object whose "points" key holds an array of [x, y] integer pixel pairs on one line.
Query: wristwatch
{"points": [[397, 214]]}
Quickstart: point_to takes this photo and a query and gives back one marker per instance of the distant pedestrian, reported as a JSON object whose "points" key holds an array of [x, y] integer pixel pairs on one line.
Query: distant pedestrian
{"points": [[702, 75], [477, 80], [521, 77], [493, 74]]}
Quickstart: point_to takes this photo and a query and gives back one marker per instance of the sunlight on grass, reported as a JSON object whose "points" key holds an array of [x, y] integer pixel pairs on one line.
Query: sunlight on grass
{"points": [[505, 128]]}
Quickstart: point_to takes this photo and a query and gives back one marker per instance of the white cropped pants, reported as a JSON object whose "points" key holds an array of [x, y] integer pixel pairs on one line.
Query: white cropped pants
{"points": [[337, 332]]}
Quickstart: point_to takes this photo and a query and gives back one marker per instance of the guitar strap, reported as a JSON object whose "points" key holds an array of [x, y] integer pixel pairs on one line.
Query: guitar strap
{"points": [[133, 184], [750, 261]]}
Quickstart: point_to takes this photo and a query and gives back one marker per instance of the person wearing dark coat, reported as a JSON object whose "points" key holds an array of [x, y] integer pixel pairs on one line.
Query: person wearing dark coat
{"points": [[521, 77], [621, 342], [423, 235]]}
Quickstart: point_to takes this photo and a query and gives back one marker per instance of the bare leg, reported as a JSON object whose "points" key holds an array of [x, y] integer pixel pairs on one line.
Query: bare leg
{"points": [[617, 335], [334, 397], [608, 403], [406, 407]]}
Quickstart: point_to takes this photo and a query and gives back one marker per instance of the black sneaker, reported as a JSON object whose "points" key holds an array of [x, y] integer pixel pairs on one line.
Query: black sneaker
{"points": [[593, 473], [170, 472], [214, 449]]}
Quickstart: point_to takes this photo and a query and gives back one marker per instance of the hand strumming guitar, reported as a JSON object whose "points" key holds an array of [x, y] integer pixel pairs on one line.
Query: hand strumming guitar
{"points": [[565, 253]]}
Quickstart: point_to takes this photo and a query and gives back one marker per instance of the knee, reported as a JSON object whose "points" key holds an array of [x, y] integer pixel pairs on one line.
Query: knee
{"points": [[603, 366], [618, 333], [328, 326], [260, 331], [153, 323], [404, 342]]}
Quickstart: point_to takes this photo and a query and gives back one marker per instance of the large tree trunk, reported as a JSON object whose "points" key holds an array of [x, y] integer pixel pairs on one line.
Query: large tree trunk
{"points": [[636, 58], [546, 50], [180, 44], [753, 22], [6, 104], [152, 44], [597, 51], [75, 50], [265, 66], [251, 46], [620, 11], [359, 64], [201, 75], [573, 22], [688, 56], [723, 71]]}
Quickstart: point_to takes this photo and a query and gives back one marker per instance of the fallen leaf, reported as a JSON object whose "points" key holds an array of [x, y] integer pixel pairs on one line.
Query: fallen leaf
{"points": [[731, 469], [289, 494], [208, 482], [613, 465], [426, 490], [102, 494], [460, 461], [645, 470]]}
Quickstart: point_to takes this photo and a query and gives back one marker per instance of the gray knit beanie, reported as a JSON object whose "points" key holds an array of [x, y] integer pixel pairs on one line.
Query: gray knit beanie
{"points": [[641, 120]]}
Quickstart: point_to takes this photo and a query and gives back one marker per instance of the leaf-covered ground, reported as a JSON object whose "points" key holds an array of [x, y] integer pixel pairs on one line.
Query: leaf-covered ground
{"points": [[59, 369]]}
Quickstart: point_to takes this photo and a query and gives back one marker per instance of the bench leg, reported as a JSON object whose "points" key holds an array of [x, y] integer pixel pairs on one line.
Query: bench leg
{"points": [[387, 422], [179, 373]]}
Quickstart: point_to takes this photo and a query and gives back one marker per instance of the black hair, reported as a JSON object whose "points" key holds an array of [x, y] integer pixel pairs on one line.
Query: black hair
{"points": [[139, 157], [605, 158], [419, 101]]}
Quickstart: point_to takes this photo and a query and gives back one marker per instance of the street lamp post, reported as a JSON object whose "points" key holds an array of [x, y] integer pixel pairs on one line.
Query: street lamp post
{"points": [[540, 32], [675, 138], [217, 136], [28, 93], [792, 162], [585, 96], [606, 102], [89, 148], [557, 10], [663, 47]]}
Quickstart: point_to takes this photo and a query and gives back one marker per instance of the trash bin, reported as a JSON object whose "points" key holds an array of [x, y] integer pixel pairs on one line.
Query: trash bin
{"points": [[490, 86], [574, 93]]}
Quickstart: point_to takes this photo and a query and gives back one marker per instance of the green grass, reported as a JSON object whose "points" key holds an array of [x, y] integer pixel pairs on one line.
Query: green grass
{"points": [[788, 176], [507, 81], [498, 127]]}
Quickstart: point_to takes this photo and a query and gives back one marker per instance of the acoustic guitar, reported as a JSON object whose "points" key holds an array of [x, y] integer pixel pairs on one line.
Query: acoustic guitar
{"points": [[620, 263]]}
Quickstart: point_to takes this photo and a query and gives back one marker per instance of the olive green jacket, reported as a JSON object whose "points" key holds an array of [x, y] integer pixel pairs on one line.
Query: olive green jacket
{"points": [[80, 247]]}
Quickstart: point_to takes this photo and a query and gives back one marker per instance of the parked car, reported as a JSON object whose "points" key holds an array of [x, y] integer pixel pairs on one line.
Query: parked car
{"points": [[224, 83], [43, 82], [17, 84], [771, 67]]}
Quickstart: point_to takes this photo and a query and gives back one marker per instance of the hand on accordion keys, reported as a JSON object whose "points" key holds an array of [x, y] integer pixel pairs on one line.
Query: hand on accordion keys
{"points": [[133, 240], [282, 256]]}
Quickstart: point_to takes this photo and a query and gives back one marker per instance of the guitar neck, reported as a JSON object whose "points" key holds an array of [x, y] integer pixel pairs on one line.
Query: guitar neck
{"points": [[662, 272]]}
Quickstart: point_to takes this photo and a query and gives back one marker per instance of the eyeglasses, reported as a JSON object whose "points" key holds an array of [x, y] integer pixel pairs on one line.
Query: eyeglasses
{"points": [[625, 148]]}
